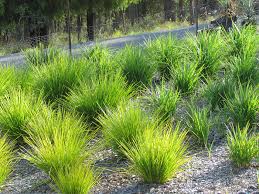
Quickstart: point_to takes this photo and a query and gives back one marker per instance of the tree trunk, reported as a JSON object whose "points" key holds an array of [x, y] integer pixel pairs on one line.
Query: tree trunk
{"points": [[169, 10], [116, 20], [181, 10], [79, 27], [191, 11], [90, 24]]}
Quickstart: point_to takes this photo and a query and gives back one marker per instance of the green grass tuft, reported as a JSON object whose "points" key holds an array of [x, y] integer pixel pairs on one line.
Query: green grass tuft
{"points": [[56, 79], [164, 53], [58, 145], [217, 91], [244, 69], [122, 126], [41, 56], [199, 124], [186, 77], [6, 159], [163, 101], [207, 50], [135, 66], [243, 107], [16, 110], [243, 147], [243, 41], [7, 79], [157, 156], [90, 98], [79, 179]]}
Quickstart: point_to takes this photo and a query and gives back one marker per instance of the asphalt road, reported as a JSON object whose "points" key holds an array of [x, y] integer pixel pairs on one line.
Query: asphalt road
{"points": [[116, 43]]}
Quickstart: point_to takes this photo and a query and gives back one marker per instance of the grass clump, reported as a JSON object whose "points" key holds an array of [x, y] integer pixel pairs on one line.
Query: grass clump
{"points": [[122, 126], [7, 79], [217, 91], [243, 41], [163, 101], [186, 77], [41, 56], [207, 51], [6, 159], [243, 107], [90, 98], [244, 69], [16, 110], [58, 142], [135, 66], [79, 179], [157, 156], [56, 79], [243, 147], [100, 60], [164, 53], [199, 124]]}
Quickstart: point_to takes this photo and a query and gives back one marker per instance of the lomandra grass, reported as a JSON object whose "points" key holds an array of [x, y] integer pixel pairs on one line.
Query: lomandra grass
{"points": [[199, 125], [6, 159], [206, 49], [7, 79], [104, 92], [79, 179], [135, 66], [243, 147], [16, 110], [58, 145], [158, 156], [56, 79], [186, 76], [242, 41], [57, 140], [163, 101], [217, 91], [243, 106], [122, 126], [164, 53], [41, 56], [244, 69], [101, 61]]}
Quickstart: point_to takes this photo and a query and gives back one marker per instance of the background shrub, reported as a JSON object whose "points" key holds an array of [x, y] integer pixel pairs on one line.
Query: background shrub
{"points": [[158, 156], [243, 147], [122, 126], [6, 159]]}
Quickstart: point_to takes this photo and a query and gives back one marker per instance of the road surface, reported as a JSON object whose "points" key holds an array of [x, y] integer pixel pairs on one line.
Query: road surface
{"points": [[116, 43]]}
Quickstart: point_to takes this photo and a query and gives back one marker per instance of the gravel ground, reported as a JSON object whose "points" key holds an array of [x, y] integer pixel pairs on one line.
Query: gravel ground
{"points": [[202, 174]]}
